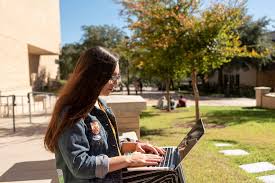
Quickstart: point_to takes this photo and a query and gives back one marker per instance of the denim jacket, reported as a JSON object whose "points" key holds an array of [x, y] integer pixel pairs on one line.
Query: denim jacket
{"points": [[83, 150]]}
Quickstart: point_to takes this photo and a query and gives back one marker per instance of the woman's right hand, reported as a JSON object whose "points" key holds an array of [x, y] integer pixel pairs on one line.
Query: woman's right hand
{"points": [[137, 159]]}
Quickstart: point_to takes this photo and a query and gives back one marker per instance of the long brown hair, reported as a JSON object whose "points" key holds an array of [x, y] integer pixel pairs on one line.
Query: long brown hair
{"points": [[93, 70]]}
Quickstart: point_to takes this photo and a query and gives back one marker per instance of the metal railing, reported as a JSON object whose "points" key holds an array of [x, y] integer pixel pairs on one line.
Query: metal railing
{"points": [[34, 103], [6, 105], [47, 100]]}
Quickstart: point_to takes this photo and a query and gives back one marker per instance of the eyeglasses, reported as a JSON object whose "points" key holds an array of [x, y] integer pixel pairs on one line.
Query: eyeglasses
{"points": [[114, 79]]}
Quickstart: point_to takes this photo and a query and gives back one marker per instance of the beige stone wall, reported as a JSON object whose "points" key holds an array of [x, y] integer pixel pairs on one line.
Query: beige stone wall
{"points": [[49, 62], [268, 102], [40, 62], [29, 40], [14, 76], [264, 98], [247, 77], [32, 22]]}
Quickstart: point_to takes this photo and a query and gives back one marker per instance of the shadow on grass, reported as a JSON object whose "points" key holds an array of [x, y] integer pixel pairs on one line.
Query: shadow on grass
{"points": [[148, 114], [251, 107], [241, 116], [192, 123], [146, 132]]}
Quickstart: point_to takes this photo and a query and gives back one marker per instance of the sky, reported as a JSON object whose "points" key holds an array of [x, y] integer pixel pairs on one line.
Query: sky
{"points": [[76, 13]]}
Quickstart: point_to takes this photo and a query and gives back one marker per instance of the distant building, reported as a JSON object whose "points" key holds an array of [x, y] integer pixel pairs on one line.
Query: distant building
{"points": [[237, 77], [246, 77], [29, 43]]}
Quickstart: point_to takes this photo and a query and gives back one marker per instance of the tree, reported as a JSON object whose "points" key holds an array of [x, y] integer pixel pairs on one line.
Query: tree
{"points": [[180, 37], [126, 55], [154, 25], [103, 35], [211, 41], [253, 34], [68, 58], [106, 36]]}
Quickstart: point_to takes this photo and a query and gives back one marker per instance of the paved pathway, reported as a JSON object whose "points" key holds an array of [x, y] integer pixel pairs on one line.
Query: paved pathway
{"points": [[255, 167], [23, 157], [152, 96]]}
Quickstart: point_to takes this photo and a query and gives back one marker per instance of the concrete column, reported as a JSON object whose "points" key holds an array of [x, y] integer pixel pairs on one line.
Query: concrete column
{"points": [[260, 91], [127, 109]]}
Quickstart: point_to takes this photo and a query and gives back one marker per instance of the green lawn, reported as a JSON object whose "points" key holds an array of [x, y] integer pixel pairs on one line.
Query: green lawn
{"points": [[250, 129]]}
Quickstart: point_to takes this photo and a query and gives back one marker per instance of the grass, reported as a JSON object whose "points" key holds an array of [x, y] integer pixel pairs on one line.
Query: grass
{"points": [[250, 129]]}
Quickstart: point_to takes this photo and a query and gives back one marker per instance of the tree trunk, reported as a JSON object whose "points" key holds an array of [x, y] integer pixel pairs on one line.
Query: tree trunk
{"points": [[220, 80], [128, 78], [196, 93], [257, 76], [168, 94], [172, 84]]}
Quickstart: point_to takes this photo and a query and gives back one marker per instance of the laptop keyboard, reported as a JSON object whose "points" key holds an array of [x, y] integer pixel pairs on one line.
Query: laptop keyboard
{"points": [[167, 157]]}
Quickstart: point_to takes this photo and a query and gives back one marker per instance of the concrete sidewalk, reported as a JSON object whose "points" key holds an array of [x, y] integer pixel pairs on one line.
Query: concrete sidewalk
{"points": [[211, 101], [23, 157], [152, 95]]}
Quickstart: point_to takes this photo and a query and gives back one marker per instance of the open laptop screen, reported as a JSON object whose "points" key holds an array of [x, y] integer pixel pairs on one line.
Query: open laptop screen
{"points": [[190, 139]]}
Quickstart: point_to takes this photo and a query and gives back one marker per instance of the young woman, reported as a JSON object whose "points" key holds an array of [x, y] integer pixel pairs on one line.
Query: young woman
{"points": [[83, 132]]}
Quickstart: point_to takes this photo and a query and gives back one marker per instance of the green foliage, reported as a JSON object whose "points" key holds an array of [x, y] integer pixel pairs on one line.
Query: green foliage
{"points": [[180, 37], [212, 40], [253, 34], [153, 25], [68, 58], [106, 36]]}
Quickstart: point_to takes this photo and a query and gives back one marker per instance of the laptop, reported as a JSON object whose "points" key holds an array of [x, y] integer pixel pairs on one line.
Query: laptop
{"points": [[175, 155]]}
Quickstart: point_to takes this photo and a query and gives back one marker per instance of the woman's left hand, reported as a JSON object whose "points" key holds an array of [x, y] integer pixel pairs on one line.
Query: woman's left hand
{"points": [[148, 148]]}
